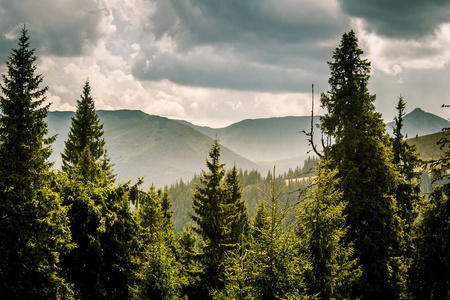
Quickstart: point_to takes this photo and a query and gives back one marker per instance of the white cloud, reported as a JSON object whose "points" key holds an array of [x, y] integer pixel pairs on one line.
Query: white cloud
{"points": [[391, 55]]}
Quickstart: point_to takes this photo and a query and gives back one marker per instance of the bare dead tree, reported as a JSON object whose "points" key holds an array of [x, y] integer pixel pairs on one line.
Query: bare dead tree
{"points": [[310, 134]]}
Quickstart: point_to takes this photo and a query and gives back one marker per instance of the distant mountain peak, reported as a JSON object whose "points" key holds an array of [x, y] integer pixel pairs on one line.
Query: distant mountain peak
{"points": [[417, 110], [419, 123]]}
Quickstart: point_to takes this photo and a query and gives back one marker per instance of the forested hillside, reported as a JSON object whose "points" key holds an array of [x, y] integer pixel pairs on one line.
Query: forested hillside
{"points": [[158, 149], [351, 223], [253, 183], [162, 151], [263, 140]]}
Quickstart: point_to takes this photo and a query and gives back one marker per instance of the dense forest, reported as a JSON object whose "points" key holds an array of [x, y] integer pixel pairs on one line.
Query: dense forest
{"points": [[352, 223]]}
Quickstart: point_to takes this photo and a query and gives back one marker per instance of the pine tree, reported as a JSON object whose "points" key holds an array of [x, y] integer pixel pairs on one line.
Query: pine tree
{"points": [[103, 227], [322, 228], [160, 274], [209, 218], [33, 223], [86, 132], [431, 264], [275, 266], [408, 191], [363, 159], [407, 159], [235, 210]]}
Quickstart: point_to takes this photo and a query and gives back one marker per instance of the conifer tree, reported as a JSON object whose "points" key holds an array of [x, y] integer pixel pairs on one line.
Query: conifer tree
{"points": [[103, 228], [86, 132], [33, 223], [220, 216], [408, 161], [102, 265], [408, 191], [322, 228], [363, 158], [159, 275], [209, 218], [431, 264], [235, 210], [275, 268]]}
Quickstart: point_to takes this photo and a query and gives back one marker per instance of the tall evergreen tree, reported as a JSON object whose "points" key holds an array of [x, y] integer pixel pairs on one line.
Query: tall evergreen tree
{"points": [[209, 218], [271, 265], [160, 274], [86, 132], [322, 228], [235, 210], [363, 159], [408, 161], [102, 265], [33, 223], [408, 191], [431, 265]]}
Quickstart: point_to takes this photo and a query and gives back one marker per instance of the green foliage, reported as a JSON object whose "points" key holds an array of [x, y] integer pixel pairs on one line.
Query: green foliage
{"points": [[408, 161], [252, 182], [235, 211], [34, 225], [355, 235], [207, 202], [104, 230], [159, 274], [431, 268], [408, 191], [270, 265], [86, 132], [431, 265], [221, 218], [322, 228], [191, 268], [363, 158]]}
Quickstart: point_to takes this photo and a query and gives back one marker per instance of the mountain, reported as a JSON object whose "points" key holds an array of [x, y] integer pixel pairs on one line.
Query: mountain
{"points": [[427, 145], [419, 122], [268, 141], [164, 150], [141, 145]]}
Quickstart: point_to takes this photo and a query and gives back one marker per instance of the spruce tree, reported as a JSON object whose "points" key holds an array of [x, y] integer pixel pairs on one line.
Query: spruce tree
{"points": [[159, 275], [408, 161], [322, 228], [408, 191], [102, 265], [275, 266], [209, 218], [235, 210], [86, 132], [431, 264], [363, 158], [33, 223]]}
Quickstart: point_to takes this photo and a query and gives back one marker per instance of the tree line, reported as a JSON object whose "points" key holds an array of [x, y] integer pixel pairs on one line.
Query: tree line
{"points": [[362, 230]]}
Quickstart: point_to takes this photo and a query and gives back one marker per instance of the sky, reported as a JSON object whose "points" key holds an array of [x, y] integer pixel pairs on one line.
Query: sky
{"points": [[216, 62]]}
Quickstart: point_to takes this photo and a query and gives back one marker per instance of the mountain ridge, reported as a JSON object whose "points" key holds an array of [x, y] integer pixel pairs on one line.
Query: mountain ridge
{"points": [[164, 150], [140, 145]]}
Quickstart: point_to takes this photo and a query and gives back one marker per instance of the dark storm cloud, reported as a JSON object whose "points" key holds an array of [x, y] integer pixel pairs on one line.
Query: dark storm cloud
{"points": [[202, 72], [62, 28], [258, 43], [399, 18]]}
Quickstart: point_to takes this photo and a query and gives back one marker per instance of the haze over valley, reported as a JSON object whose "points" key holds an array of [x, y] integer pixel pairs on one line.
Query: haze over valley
{"points": [[163, 150]]}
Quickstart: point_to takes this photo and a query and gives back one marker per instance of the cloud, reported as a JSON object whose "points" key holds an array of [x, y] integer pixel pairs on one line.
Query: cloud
{"points": [[392, 56], [240, 45], [62, 28], [398, 18]]}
